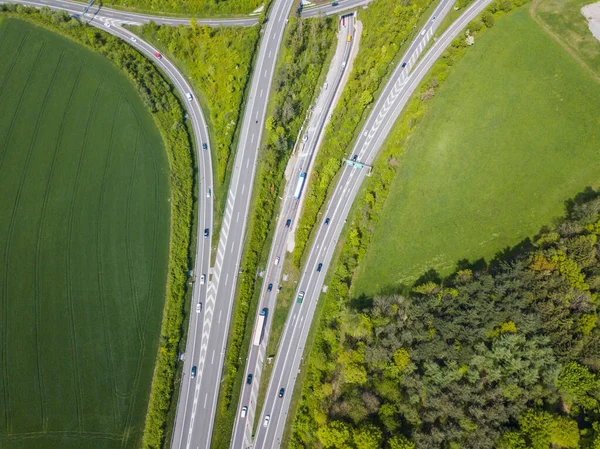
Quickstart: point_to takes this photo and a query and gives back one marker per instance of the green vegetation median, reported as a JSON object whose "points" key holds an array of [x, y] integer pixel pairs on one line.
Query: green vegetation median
{"points": [[307, 44], [157, 95], [218, 62], [198, 8], [371, 353]]}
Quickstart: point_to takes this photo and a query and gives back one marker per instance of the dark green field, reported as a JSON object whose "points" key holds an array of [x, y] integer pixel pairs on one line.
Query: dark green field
{"points": [[84, 227]]}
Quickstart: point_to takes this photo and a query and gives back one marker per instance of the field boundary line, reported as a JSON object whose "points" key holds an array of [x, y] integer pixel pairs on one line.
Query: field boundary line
{"points": [[11, 227], [563, 44], [47, 194], [108, 344], [74, 352], [61, 434]]}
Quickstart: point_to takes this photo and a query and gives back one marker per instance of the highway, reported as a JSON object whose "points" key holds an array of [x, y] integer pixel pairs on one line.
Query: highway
{"points": [[392, 100], [304, 152], [133, 18], [197, 405]]}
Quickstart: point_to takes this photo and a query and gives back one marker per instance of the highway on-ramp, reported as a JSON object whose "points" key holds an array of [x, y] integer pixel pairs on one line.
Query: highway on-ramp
{"points": [[393, 98], [197, 406], [242, 431]]}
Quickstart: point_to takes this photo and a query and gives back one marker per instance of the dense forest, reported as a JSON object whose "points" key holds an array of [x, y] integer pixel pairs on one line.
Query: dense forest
{"points": [[505, 355]]}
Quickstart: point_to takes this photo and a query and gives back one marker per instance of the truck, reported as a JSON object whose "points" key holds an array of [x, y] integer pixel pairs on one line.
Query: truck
{"points": [[260, 327], [299, 186]]}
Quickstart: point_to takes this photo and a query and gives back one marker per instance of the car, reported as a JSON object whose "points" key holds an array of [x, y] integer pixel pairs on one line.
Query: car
{"points": [[327, 220], [288, 222], [349, 37], [199, 307], [189, 96], [325, 86], [158, 55], [433, 19], [304, 137], [403, 64], [319, 267], [206, 233], [249, 379], [244, 411], [107, 24], [204, 146], [281, 392], [208, 193], [355, 157], [270, 287], [423, 32], [133, 39], [334, 4], [266, 421], [202, 279], [193, 374], [276, 261], [300, 297], [343, 63]]}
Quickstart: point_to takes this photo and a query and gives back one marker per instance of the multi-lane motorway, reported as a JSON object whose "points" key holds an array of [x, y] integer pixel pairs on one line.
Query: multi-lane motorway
{"points": [[380, 121], [242, 432], [206, 337]]}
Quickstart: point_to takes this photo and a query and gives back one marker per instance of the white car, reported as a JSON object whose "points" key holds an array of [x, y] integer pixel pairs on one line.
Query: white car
{"points": [[189, 96], [244, 411], [277, 260], [133, 39], [107, 24], [266, 421], [202, 279], [208, 194], [198, 307]]}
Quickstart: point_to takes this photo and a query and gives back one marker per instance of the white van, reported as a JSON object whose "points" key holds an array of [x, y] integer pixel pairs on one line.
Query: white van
{"points": [[189, 96], [244, 411]]}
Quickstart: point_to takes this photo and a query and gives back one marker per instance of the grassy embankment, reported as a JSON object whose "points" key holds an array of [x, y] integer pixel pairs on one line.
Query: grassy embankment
{"points": [[197, 8], [307, 44], [217, 60], [84, 245], [370, 206]]}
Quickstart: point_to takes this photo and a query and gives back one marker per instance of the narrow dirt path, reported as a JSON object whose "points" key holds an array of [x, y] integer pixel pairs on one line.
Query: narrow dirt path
{"points": [[563, 44]]}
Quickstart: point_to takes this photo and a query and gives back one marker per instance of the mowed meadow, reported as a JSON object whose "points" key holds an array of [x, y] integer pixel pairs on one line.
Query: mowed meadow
{"points": [[84, 228], [509, 137]]}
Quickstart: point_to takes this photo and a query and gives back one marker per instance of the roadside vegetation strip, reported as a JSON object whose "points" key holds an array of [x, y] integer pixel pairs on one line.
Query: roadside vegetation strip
{"points": [[157, 94], [312, 413], [197, 8], [81, 187], [379, 45], [307, 43]]}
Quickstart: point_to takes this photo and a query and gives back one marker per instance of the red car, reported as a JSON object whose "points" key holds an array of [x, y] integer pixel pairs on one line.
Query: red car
{"points": [[158, 55]]}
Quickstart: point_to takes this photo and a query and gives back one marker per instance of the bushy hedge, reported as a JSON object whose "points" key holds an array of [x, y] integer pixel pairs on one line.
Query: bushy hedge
{"points": [[199, 8], [306, 45], [157, 94]]}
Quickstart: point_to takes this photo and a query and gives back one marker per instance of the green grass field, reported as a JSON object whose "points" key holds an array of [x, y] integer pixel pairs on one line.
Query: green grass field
{"points": [[510, 136], [84, 233]]}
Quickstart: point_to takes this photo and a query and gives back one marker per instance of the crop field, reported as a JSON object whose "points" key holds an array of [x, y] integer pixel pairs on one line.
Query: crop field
{"points": [[84, 230], [510, 136]]}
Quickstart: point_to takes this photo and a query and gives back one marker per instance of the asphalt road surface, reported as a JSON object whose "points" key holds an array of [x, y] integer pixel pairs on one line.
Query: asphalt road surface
{"points": [[242, 431], [379, 123], [197, 405], [133, 18]]}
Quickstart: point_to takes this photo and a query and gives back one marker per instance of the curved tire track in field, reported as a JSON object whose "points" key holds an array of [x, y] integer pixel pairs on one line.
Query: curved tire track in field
{"points": [[108, 348], [7, 248], [74, 352], [36, 296], [41, 227]]}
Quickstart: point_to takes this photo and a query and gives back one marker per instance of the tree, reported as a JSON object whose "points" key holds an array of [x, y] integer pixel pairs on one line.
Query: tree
{"points": [[400, 442], [367, 437], [577, 385], [335, 434]]}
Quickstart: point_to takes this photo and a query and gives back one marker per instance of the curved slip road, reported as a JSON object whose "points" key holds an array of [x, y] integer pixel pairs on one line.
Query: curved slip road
{"points": [[242, 431], [395, 95]]}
